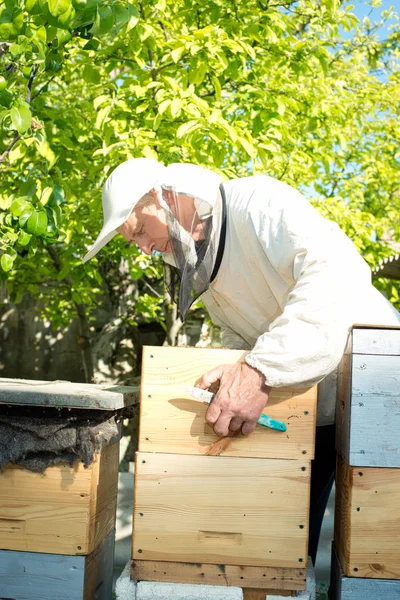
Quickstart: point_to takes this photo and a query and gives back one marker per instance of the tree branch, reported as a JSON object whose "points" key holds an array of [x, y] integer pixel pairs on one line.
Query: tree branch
{"points": [[9, 148]]}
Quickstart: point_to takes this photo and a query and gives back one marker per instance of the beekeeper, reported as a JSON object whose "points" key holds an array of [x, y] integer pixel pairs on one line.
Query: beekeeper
{"points": [[278, 278]]}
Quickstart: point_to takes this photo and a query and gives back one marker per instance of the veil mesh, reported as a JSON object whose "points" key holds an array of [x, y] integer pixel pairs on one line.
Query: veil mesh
{"points": [[194, 231]]}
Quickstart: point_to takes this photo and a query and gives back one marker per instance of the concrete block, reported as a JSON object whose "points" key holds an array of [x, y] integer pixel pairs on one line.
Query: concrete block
{"points": [[147, 590], [125, 588]]}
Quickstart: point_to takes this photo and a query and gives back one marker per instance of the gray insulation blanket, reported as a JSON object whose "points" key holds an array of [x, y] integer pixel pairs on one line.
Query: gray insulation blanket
{"points": [[36, 438]]}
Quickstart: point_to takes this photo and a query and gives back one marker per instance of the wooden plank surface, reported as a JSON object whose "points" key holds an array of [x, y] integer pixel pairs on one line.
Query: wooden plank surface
{"points": [[367, 523], [171, 421], [65, 511], [374, 419], [103, 496], [376, 341], [342, 522], [355, 588], [221, 510], [99, 569], [67, 394], [343, 405], [276, 578]]}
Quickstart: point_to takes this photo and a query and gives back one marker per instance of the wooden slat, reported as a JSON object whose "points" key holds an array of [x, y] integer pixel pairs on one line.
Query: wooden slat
{"points": [[376, 341], [173, 422], [221, 510], [367, 524], [276, 578], [65, 511], [67, 394], [262, 594]]}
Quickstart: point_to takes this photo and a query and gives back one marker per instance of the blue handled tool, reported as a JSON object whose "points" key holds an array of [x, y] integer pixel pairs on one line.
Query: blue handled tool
{"points": [[208, 397]]}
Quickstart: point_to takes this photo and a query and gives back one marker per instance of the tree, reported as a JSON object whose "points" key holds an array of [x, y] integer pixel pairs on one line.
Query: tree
{"points": [[298, 89]]}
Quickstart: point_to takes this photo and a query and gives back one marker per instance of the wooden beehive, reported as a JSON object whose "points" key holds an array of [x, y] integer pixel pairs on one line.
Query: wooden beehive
{"points": [[240, 518], [67, 510]]}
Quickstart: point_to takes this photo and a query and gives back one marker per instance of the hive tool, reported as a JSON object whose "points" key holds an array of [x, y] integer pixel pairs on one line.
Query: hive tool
{"points": [[208, 397]]}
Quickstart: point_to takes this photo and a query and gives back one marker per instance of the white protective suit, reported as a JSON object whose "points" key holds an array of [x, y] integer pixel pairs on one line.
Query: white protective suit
{"points": [[290, 286]]}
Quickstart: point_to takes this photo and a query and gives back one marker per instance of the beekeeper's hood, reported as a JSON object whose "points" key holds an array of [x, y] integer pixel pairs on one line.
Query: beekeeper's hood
{"points": [[192, 202]]}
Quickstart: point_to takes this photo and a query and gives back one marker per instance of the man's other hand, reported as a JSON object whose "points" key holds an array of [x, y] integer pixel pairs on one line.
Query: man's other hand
{"points": [[240, 400]]}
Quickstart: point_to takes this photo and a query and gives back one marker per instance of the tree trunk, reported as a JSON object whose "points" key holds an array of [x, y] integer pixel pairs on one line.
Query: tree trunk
{"points": [[173, 322], [84, 330]]}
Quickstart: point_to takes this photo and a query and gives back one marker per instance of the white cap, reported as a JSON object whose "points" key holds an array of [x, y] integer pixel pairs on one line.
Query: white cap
{"points": [[123, 189]]}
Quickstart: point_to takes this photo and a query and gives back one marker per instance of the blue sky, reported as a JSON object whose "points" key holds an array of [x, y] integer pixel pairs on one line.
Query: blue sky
{"points": [[362, 9]]}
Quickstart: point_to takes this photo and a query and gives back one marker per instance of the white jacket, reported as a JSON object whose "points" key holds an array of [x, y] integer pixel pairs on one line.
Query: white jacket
{"points": [[290, 286]]}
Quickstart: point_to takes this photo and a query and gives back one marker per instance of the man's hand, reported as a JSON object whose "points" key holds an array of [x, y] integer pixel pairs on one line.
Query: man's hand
{"points": [[240, 400]]}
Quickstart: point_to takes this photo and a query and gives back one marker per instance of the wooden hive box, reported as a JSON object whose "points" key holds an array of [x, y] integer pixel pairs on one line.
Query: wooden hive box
{"points": [[236, 519], [368, 407], [367, 521], [64, 511]]}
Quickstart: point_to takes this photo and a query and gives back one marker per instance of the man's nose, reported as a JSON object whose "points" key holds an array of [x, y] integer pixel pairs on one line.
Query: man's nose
{"points": [[145, 244]]}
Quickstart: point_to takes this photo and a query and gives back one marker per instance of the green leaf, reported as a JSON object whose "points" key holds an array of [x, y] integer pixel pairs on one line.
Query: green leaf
{"points": [[133, 17], [47, 153], [59, 7], [21, 118], [104, 21], [24, 216], [186, 128], [175, 107], [64, 272], [248, 147], [19, 206], [100, 100], [37, 223], [177, 53], [324, 64], [58, 197], [121, 15], [76, 298], [6, 262], [24, 238], [90, 74]]}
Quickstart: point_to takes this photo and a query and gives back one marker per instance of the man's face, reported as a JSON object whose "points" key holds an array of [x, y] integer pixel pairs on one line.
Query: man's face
{"points": [[147, 227]]}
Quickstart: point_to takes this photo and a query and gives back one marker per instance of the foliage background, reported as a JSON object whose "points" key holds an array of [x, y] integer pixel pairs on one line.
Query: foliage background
{"points": [[299, 89]]}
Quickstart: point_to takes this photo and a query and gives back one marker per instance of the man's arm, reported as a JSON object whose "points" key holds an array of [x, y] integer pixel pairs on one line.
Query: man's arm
{"points": [[306, 341]]}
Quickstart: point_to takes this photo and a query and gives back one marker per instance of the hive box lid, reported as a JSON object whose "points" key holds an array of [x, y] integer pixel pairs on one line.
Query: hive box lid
{"points": [[65, 394]]}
